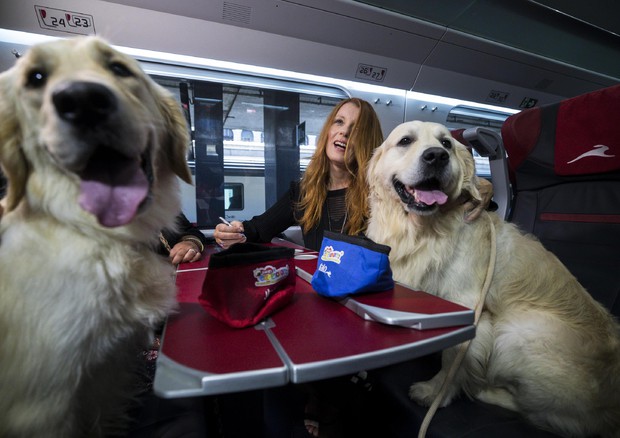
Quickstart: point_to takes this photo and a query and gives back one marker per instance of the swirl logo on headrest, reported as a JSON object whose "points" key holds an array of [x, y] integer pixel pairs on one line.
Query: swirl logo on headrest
{"points": [[331, 255], [268, 275]]}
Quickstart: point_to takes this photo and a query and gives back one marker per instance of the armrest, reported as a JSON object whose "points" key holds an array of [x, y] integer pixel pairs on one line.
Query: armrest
{"points": [[488, 143]]}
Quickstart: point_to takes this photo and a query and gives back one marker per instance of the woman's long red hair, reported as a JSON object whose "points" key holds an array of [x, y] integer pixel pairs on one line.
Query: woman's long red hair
{"points": [[366, 135]]}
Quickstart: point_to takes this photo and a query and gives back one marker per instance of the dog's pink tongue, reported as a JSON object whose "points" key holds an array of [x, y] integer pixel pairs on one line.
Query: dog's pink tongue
{"points": [[113, 193], [430, 197]]}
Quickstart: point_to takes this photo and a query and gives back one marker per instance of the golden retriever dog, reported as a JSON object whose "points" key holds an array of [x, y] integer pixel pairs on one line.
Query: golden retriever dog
{"points": [[93, 150], [543, 347]]}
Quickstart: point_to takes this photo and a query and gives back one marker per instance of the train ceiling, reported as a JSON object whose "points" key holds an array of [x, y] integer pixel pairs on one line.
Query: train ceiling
{"points": [[581, 33]]}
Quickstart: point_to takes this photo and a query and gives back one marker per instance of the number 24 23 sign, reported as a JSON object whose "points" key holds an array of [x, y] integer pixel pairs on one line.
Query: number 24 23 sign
{"points": [[65, 21]]}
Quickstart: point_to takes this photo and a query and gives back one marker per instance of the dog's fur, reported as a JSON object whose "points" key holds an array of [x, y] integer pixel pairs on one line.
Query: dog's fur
{"points": [[80, 286], [543, 345]]}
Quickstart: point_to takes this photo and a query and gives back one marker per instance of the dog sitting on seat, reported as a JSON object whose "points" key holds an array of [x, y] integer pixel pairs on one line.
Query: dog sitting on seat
{"points": [[93, 150], [543, 347]]}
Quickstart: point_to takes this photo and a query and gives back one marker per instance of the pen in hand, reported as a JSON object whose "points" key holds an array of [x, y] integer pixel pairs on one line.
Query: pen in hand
{"points": [[224, 221]]}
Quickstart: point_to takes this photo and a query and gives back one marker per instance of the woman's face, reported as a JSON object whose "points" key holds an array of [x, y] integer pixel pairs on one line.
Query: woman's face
{"points": [[339, 132]]}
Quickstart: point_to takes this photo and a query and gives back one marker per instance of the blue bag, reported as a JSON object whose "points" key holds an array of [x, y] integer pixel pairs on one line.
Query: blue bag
{"points": [[351, 265]]}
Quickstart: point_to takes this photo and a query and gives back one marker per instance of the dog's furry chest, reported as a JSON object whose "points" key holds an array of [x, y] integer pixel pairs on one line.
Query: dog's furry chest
{"points": [[63, 278], [433, 261], [75, 311], [423, 269]]}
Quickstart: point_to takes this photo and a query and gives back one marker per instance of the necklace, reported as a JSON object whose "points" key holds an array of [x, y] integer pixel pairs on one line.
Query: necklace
{"points": [[329, 220]]}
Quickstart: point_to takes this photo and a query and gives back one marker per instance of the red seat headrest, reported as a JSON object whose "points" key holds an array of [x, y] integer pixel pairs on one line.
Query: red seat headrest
{"points": [[585, 131]]}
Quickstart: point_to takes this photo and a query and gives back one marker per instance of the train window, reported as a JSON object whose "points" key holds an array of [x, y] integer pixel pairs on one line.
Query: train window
{"points": [[467, 117], [245, 150], [247, 135], [233, 196]]}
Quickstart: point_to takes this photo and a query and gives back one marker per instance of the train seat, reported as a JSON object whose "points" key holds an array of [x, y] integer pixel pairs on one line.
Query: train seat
{"points": [[399, 417], [564, 163], [564, 175]]}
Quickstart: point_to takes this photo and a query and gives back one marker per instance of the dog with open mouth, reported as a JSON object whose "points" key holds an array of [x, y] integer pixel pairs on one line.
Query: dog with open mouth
{"points": [[543, 347], [93, 151]]}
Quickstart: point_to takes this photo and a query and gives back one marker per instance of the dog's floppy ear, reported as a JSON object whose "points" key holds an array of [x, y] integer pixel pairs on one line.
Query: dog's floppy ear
{"points": [[176, 138], [469, 180], [12, 159]]}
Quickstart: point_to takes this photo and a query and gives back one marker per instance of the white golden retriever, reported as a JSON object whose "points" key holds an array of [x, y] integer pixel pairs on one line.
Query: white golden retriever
{"points": [[93, 150], [543, 347]]}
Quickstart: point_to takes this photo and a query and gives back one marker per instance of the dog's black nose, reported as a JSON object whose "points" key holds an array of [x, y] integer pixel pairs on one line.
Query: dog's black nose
{"points": [[437, 157], [84, 103]]}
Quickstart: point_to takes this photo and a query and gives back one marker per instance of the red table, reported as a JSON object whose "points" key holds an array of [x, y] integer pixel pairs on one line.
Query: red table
{"points": [[312, 338]]}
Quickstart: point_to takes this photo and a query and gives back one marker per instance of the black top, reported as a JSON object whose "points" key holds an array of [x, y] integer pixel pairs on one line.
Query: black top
{"points": [[3, 185], [184, 228], [284, 214]]}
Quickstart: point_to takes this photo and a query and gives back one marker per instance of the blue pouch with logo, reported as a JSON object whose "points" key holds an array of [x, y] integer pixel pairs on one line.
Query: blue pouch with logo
{"points": [[350, 265]]}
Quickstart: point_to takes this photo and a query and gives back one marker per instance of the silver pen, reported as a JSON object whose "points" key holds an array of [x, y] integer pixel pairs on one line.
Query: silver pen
{"points": [[225, 222]]}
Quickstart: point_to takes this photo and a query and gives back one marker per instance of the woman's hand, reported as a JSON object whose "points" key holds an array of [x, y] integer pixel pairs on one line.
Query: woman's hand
{"points": [[184, 252], [473, 210], [227, 235]]}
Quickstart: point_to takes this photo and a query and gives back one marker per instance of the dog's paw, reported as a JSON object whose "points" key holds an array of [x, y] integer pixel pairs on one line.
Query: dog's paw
{"points": [[423, 393]]}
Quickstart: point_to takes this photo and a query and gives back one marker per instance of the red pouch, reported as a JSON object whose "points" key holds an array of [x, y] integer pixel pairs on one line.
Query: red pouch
{"points": [[248, 282]]}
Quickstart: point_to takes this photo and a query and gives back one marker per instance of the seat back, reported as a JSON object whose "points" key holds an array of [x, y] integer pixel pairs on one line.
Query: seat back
{"points": [[564, 165]]}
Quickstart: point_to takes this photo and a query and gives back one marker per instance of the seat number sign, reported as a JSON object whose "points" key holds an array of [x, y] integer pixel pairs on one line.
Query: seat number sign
{"points": [[371, 72], [65, 21]]}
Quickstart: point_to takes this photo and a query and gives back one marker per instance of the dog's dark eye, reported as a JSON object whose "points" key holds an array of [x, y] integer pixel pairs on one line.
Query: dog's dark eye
{"points": [[120, 69], [405, 141], [36, 78], [446, 143]]}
